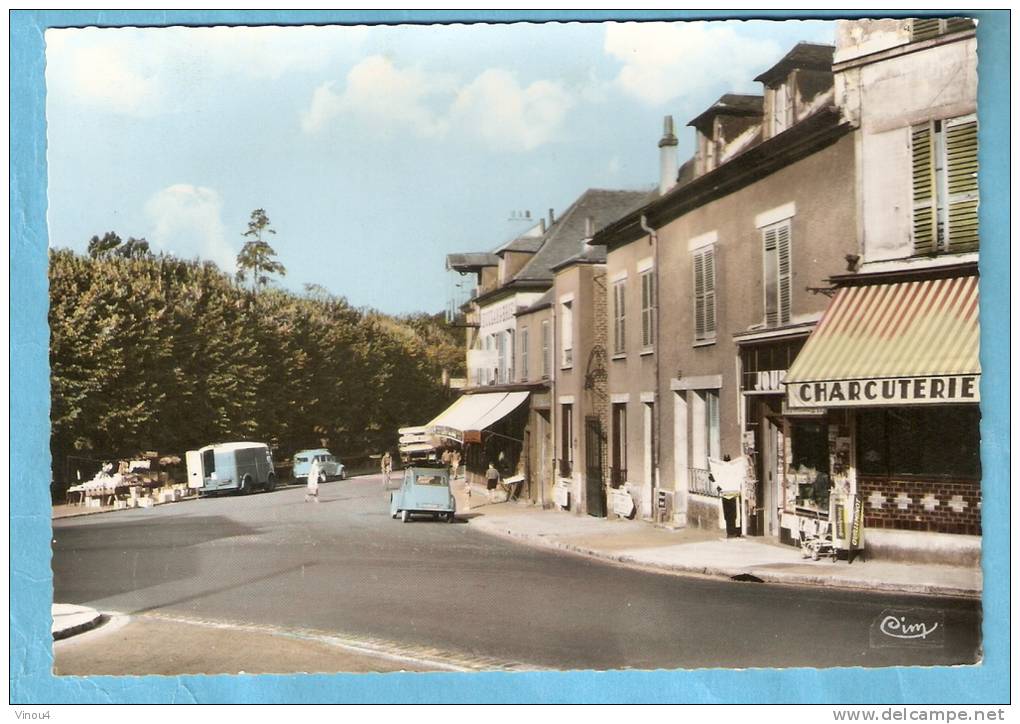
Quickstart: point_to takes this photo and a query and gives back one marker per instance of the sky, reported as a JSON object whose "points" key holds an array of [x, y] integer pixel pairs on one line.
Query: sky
{"points": [[375, 151]]}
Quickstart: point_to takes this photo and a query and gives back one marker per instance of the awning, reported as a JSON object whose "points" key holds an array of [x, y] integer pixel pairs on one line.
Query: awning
{"points": [[910, 342], [475, 413]]}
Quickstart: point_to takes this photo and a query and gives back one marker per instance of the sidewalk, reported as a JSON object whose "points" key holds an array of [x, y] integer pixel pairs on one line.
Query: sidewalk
{"points": [[700, 552]]}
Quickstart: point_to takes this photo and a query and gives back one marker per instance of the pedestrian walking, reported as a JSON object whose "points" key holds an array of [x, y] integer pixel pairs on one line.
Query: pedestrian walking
{"points": [[387, 467], [312, 491], [455, 462], [445, 458], [491, 481]]}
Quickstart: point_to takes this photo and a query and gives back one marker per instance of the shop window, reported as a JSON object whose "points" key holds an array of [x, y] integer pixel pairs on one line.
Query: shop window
{"points": [[929, 441], [945, 186], [808, 469], [704, 294], [619, 317], [778, 276]]}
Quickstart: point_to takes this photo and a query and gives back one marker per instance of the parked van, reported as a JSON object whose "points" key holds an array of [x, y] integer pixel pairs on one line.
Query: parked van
{"points": [[240, 466]]}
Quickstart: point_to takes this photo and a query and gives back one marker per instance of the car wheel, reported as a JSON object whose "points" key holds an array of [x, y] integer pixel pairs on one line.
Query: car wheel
{"points": [[449, 517], [343, 474], [271, 484], [404, 516], [245, 485]]}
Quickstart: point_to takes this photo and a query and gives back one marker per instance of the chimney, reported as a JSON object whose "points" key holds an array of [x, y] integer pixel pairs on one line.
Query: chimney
{"points": [[589, 227], [668, 168], [541, 223], [552, 218]]}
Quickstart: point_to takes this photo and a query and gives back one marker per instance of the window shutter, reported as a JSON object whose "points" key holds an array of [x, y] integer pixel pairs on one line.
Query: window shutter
{"points": [[957, 25], [771, 304], [646, 331], [925, 216], [709, 285], [962, 182], [924, 28], [785, 274], [699, 296]]}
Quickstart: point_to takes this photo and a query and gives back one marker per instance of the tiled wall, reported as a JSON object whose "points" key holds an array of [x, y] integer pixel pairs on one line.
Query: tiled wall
{"points": [[937, 506]]}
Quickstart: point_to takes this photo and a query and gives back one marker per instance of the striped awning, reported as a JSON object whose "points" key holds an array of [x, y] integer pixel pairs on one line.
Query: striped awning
{"points": [[912, 342], [474, 413]]}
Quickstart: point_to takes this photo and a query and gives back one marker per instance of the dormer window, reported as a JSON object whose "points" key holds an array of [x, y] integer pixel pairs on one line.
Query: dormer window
{"points": [[781, 111]]}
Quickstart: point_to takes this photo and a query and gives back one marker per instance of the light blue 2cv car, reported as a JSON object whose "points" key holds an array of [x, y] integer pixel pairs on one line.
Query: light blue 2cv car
{"points": [[424, 491]]}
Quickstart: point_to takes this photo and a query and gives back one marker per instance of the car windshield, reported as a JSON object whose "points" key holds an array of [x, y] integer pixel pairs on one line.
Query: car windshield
{"points": [[430, 480]]}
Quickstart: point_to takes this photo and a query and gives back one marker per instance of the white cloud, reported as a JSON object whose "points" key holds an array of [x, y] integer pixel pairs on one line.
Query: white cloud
{"points": [[664, 60], [186, 221], [143, 71], [493, 107], [379, 92], [496, 108]]}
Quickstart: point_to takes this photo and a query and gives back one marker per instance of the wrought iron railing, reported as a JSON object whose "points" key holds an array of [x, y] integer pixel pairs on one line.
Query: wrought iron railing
{"points": [[700, 482]]}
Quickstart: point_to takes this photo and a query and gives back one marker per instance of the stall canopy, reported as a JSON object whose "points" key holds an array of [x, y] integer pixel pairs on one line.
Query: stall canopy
{"points": [[473, 413], [912, 342]]}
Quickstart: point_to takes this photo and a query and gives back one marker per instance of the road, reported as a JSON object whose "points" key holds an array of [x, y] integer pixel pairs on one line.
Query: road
{"points": [[344, 567]]}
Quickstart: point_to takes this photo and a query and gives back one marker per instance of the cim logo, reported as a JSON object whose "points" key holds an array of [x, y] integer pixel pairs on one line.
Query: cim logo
{"points": [[908, 627], [769, 380]]}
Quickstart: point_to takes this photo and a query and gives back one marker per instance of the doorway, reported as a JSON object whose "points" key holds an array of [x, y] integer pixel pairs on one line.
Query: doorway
{"points": [[594, 475]]}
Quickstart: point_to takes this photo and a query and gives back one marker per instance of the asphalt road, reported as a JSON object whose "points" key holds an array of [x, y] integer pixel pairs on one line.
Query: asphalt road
{"points": [[344, 567]]}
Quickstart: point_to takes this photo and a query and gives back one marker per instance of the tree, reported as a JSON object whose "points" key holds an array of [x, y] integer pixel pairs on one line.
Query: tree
{"points": [[257, 256], [134, 249], [99, 248]]}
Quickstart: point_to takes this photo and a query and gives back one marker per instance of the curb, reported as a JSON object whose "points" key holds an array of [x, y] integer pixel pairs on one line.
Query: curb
{"points": [[89, 619], [794, 579]]}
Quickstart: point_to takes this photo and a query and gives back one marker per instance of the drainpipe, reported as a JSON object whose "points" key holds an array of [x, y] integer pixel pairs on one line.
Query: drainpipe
{"points": [[554, 407], [653, 239]]}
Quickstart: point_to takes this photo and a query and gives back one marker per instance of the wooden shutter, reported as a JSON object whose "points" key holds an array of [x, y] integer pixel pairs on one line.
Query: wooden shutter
{"points": [[709, 292], [785, 289], [925, 226], [957, 25], [924, 28], [646, 306], [699, 296], [619, 311], [962, 184]]}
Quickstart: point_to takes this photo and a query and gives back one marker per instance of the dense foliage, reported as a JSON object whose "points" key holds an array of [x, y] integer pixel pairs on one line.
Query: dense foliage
{"points": [[158, 353]]}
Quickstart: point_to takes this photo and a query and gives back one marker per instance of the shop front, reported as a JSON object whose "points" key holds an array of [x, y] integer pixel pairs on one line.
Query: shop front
{"points": [[892, 371]]}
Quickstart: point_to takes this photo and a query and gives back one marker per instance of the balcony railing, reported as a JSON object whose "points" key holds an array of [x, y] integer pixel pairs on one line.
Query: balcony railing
{"points": [[700, 482]]}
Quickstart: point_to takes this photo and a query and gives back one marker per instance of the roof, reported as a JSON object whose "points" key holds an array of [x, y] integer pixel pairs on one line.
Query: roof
{"points": [[528, 244], [802, 139], [313, 451], [806, 56], [471, 261], [564, 237], [227, 446], [588, 255], [730, 104], [543, 302]]}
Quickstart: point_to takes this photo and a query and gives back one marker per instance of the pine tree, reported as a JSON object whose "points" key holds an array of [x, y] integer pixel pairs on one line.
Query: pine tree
{"points": [[257, 256]]}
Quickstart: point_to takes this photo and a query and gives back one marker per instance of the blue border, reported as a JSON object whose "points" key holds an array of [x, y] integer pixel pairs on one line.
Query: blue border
{"points": [[30, 576]]}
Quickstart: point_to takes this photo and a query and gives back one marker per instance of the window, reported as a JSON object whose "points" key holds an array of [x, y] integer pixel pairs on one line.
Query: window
{"points": [[567, 334], [500, 358], [712, 434], [618, 473], [925, 28], [208, 462], [930, 441], [511, 356], [777, 274], [945, 186], [524, 354], [619, 317], [546, 350], [648, 309], [704, 294], [566, 439], [705, 437]]}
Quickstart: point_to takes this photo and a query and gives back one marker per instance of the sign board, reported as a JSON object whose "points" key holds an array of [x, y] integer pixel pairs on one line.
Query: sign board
{"points": [[856, 528], [936, 390], [473, 436], [660, 500], [561, 495], [623, 504]]}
